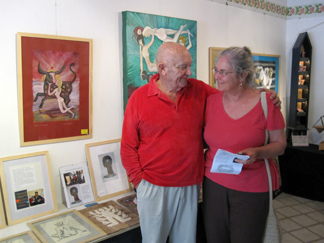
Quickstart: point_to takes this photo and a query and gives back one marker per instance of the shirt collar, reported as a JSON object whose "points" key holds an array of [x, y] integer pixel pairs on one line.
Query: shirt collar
{"points": [[154, 89]]}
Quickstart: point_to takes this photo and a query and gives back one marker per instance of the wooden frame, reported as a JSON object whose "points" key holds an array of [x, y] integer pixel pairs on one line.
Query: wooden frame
{"points": [[107, 173], [69, 226], [27, 237], [2, 214], [139, 47], [49, 67], [213, 56], [266, 67], [23, 177]]}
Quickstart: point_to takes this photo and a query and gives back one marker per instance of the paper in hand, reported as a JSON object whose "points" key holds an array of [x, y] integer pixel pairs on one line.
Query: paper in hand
{"points": [[224, 162]]}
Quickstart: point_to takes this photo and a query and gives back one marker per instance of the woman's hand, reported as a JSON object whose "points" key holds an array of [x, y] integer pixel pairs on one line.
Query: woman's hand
{"points": [[252, 152]]}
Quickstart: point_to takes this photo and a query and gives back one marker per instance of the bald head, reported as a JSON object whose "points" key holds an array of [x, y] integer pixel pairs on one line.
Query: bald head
{"points": [[170, 52]]}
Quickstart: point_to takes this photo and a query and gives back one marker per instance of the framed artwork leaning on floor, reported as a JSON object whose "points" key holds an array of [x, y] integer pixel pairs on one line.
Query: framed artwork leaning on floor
{"points": [[107, 173], [27, 186], [67, 227]]}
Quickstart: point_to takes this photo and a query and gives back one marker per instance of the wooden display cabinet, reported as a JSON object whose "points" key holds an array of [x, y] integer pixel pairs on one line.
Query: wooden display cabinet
{"points": [[300, 86]]}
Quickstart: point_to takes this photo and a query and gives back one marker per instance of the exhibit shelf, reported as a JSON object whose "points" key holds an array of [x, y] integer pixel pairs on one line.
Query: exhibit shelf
{"points": [[22, 227]]}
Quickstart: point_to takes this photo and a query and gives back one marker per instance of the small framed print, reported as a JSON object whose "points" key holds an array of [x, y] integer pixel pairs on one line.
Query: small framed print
{"points": [[27, 187], [107, 173], [76, 184], [67, 227], [2, 215], [25, 237]]}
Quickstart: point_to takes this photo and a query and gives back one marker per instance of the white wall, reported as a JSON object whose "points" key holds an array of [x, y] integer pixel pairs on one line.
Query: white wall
{"points": [[292, 3], [315, 29], [218, 26]]}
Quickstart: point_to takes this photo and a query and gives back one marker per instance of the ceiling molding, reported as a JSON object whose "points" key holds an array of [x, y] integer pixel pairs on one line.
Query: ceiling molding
{"points": [[276, 10]]}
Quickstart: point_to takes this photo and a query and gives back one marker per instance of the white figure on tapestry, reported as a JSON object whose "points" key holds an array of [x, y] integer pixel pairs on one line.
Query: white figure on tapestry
{"points": [[162, 34], [110, 216], [265, 76]]}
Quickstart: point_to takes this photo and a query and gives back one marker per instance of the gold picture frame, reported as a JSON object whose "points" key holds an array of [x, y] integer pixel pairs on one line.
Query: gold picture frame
{"points": [[54, 88], [213, 55], [71, 226], [27, 237], [27, 186], [108, 176], [2, 214]]}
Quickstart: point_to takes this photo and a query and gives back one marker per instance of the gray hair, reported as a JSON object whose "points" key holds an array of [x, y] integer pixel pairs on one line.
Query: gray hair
{"points": [[241, 61]]}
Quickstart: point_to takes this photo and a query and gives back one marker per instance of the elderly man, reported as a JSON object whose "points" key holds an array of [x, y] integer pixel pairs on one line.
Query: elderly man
{"points": [[162, 147]]}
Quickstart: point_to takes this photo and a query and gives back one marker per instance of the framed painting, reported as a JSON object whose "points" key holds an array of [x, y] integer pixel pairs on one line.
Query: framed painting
{"points": [[142, 35], [27, 186], [67, 227], [25, 237], [213, 57], [76, 185], [266, 71], [2, 214], [54, 88], [107, 173]]}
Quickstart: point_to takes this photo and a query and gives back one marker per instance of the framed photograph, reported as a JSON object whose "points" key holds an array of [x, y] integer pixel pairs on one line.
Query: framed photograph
{"points": [[25, 237], [142, 35], [213, 57], [266, 71], [111, 217], [2, 214], [107, 173], [76, 185], [27, 187], [67, 227], [54, 88]]}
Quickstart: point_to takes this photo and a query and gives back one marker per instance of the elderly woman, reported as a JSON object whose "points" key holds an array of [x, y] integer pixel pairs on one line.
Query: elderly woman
{"points": [[236, 206]]}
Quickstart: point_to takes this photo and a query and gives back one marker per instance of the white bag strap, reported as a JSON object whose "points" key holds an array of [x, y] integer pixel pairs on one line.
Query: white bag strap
{"points": [[265, 111]]}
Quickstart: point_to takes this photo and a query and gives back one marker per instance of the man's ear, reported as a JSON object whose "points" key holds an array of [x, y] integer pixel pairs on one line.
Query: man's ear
{"points": [[162, 69]]}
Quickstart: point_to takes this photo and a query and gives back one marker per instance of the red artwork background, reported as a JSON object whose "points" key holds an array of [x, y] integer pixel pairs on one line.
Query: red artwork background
{"points": [[52, 54]]}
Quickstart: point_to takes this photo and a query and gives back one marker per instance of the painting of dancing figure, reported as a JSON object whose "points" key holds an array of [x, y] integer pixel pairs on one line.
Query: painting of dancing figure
{"points": [[54, 87], [142, 35]]}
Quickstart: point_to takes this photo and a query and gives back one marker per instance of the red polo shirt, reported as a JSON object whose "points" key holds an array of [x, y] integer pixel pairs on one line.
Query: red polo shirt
{"points": [[162, 141]]}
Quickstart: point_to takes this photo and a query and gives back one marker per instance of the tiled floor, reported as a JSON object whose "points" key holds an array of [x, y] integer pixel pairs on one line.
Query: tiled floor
{"points": [[301, 219]]}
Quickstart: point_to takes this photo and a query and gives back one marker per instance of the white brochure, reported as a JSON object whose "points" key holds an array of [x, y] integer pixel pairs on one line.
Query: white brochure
{"points": [[224, 162]]}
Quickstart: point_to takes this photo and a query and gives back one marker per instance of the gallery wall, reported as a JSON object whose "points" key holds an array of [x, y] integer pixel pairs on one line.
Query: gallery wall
{"points": [[218, 25]]}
